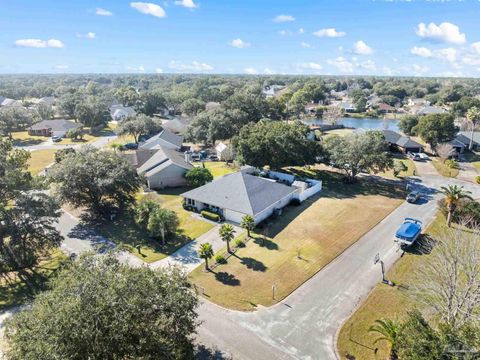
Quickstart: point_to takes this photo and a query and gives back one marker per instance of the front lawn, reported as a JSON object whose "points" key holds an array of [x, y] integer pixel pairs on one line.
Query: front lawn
{"points": [[218, 168], [384, 302], [406, 161], [21, 138], [22, 286], [300, 242], [125, 232], [39, 159], [444, 170], [89, 137]]}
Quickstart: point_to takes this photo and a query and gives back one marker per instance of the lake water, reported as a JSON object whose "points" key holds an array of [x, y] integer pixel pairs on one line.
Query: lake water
{"points": [[364, 123]]}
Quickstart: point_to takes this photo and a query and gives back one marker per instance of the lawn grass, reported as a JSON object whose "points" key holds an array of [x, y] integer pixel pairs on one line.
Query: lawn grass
{"points": [[473, 157], [384, 302], [21, 138], [300, 242], [218, 168], [89, 137], [337, 132], [23, 285], [444, 170], [125, 232], [408, 163], [40, 159]]}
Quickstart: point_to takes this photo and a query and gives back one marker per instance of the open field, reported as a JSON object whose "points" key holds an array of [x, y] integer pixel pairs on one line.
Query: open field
{"points": [[124, 231], [299, 243], [217, 168], [384, 302], [40, 159], [444, 170], [25, 284]]}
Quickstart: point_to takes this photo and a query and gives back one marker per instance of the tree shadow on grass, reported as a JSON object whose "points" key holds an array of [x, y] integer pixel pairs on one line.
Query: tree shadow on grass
{"points": [[226, 278], [253, 264], [28, 142], [262, 241], [206, 353]]}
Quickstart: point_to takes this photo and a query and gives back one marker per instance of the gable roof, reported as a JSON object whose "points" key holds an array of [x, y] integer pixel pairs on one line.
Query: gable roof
{"points": [[55, 125], [464, 137], [221, 147], [393, 137], [165, 135], [431, 110], [241, 192], [162, 157]]}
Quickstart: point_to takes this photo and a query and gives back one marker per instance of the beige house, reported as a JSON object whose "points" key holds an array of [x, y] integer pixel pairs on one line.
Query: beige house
{"points": [[224, 152]]}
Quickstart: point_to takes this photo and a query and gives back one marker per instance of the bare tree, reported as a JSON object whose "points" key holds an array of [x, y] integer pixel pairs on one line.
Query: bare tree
{"points": [[333, 114], [445, 151], [449, 281]]}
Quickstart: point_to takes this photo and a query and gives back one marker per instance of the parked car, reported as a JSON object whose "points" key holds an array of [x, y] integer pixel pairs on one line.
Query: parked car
{"points": [[195, 157], [423, 156], [413, 197], [213, 157], [414, 156], [130, 146], [56, 138]]}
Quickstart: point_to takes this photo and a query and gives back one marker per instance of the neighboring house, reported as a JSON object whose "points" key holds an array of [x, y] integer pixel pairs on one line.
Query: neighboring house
{"points": [[165, 168], [373, 100], [386, 108], [458, 146], [347, 106], [224, 152], [176, 125], [418, 102], [427, 110], [53, 127], [164, 138], [48, 100], [10, 102], [245, 193], [120, 113], [464, 138], [272, 90], [401, 142]]}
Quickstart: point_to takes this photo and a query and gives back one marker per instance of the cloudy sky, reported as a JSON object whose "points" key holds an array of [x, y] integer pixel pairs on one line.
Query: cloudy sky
{"points": [[379, 37]]}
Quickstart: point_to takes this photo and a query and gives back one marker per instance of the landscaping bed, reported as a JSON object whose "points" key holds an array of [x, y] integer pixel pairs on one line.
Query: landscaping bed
{"points": [[300, 242]]}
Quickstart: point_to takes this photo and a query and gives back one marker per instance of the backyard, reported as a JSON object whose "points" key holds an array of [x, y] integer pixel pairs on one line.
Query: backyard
{"points": [[123, 230], [300, 242], [384, 302], [217, 168]]}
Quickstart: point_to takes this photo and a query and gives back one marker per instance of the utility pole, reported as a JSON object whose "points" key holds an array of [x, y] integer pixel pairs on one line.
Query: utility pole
{"points": [[378, 260]]}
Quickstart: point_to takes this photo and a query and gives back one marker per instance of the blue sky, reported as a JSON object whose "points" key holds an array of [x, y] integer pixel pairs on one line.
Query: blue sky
{"points": [[416, 37]]}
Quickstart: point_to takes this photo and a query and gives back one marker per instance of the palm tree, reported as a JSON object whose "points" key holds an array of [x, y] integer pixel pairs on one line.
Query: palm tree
{"points": [[389, 329], [248, 223], [453, 195], [205, 252], [473, 117], [227, 233]]}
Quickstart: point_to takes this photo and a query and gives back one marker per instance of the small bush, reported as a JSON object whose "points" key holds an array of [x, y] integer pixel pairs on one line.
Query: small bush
{"points": [[219, 259], [477, 179], [452, 164], [295, 202], [210, 215], [239, 243]]}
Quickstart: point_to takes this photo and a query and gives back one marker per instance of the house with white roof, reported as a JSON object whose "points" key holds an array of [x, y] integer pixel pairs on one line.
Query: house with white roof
{"points": [[164, 138], [120, 112], [224, 152]]}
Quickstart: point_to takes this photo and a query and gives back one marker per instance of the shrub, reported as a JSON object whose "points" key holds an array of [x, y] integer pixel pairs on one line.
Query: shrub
{"points": [[239, 243], [210, 215], [466, 211], [452, 164], [477, 179], [198, 176], [219, 259], [295, 202]]}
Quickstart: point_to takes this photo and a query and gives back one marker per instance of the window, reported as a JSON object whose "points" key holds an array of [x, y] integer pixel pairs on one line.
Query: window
{"points": [[191, 202]]}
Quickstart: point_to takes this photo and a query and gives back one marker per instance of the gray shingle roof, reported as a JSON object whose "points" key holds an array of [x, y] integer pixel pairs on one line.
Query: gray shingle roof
{"points": [[393, 137], [55, 125], [464, 137], [163, 156], [241, 192], [165, 135]]}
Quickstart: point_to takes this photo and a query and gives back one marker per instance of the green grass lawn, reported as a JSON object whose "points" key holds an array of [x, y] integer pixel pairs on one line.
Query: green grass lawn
{"points": [[21, 138], [39, 159], [23, 285], [408, 163], [88, 137], [218, 168], [300, 242], [337, 132], [444, 170], [384, 302], [124, 231], [473, 157]]}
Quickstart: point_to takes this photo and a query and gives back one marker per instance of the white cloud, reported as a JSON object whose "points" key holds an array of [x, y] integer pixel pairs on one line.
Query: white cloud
{"points": [[342, 64], [187, 4], [311, 66], [139, 69], [329, 32], [421, 51], [285, 32], [445, 32], [306, 45], [301, 31], [61, 67], [269, 71], [149, 9], [194, 66], [103, 12], [283, 18], [250, 71], [89, 35], [159, 70], [361, 48], [37, 43], [476, 47], [449, 54], [240, 44], [368, 65]]}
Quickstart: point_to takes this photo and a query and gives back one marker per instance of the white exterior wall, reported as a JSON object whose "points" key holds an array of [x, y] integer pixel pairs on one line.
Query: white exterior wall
{"points": [[315, 187], [59, 133], [233, 216], [269, 211], [171, 176]]}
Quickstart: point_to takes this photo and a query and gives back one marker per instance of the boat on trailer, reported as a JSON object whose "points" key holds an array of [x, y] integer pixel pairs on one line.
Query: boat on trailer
{"points": [[408, 232]]}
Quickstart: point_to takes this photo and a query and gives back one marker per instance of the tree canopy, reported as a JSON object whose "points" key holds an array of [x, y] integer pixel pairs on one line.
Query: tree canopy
{"points": [[138, 125], [198, 176], [436, 128]]}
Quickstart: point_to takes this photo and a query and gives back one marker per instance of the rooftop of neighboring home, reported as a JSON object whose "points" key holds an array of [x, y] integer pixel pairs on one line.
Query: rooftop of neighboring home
{"points": [[121, 111], [426, 110], [241, 192], [55, 125], [393, 137], [464, 137], [158, 140], [162, 158], [9, 102], [221, 146], [178, 124], [386, 107]]}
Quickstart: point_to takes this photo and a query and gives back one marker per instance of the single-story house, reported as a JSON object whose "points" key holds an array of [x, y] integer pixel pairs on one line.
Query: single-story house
{"points": [[427, 110], [120, 113], [53, 127], [272, 90], [176, 125], [401, 142], [246, 193], [348, 106], [165, 168], [386, 108], [10, 102], [458, 146], [164, 138], [48, 100], [464, 138], [224, 152], [418, 102]]}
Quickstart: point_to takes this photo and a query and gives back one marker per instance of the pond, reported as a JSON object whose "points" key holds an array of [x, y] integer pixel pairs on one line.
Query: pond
{"points": [[363, 123]]}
